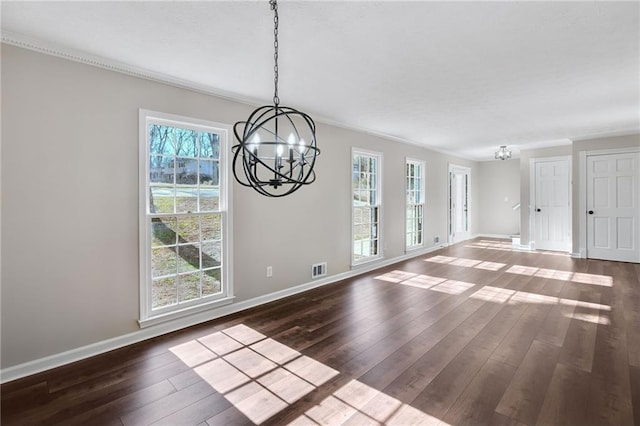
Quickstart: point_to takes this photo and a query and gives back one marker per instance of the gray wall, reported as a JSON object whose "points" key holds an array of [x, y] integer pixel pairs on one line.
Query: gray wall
{"points": [[70, 203], [499, 191]]}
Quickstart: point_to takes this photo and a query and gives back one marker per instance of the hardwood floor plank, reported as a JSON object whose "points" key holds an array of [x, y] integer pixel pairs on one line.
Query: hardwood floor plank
{"points": [[389, 368], [196, 413], [438, 397], [579, 344], [168, 405], [516, 344], [634, 378], [421, 373], [112, 410], [230, 416], [80, 398], [476, 405], [526, 392], [566, 399]]}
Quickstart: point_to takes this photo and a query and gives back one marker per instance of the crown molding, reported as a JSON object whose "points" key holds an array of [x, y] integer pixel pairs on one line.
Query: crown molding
{"points": [[53, 49], [64, 52]]}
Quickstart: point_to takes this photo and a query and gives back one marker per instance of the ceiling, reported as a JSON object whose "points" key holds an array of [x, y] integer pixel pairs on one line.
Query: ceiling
{"points": [[457, 77]]}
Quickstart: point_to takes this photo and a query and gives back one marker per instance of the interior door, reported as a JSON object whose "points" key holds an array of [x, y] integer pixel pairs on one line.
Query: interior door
{"points": [[552, 207], [613, 212], [459, 184]]}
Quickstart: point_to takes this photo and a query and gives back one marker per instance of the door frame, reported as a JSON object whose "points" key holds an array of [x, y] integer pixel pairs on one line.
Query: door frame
{"points": [[532, 196], [451, 167], [582, 193]]}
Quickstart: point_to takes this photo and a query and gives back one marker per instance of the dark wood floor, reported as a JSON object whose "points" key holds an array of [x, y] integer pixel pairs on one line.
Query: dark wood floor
{"points": [[473, 334]]}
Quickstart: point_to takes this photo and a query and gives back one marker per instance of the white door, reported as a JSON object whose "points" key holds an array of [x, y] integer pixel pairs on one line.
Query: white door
{"points": [[552, 206], [459, 184], [613, 212]]}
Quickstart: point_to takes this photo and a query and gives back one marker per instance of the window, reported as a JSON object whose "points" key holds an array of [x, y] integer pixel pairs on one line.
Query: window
{"points": [[184, 222], [366, 199], [414, 225]]}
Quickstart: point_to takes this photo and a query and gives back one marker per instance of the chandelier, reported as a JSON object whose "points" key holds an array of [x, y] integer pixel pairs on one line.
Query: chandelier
{"points": [[276, 150], [503, 153]]}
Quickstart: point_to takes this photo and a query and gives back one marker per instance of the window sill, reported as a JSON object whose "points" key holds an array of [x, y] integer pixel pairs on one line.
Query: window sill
{"points": [[191, 310], [365, 262]]}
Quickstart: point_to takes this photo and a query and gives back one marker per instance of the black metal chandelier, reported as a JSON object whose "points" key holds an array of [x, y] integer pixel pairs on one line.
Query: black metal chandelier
{"points": [[276, 148]]}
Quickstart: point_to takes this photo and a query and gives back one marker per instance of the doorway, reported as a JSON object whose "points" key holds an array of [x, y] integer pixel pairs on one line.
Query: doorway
{"points": [[459, 203], [552, 204], [612, 208]]}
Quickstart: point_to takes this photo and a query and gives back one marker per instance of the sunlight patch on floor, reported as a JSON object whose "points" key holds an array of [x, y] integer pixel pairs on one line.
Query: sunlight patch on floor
{"points": [[452, 287], [261, 377], [505, 295], [395, 276], [469, 263], [423, 281], [576, 277], [359, 404], [592, 318], [508, 246]]}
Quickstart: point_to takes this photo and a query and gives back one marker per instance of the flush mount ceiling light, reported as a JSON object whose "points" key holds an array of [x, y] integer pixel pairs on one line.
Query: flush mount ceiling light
{"points": [[503, 153], [276, 148]]}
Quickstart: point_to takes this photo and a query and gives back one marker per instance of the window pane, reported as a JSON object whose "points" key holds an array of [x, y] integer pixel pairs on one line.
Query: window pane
{"points": [[161, 199], [163, 292], [374, 248], [188, 286], [163, 261], [186, 143], [163, 231], [161, 169], [186, 200], [208, 173], [188, 229], [209, 145], [186, 171], [211, 282], [211, 225], [211, 254], [188, 258], [209, 199], [161, 140]]}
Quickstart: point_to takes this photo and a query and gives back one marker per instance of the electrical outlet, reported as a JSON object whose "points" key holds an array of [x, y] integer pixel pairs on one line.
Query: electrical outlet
{"points": [[269, 271], [436, 239]]}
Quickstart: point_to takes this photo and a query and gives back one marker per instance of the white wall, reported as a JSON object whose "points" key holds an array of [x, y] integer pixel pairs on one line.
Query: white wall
{"points": [[499, 191], [70, 203]]}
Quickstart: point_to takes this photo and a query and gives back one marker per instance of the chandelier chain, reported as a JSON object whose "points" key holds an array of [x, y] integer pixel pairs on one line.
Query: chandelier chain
{"points": [[274, 7]]}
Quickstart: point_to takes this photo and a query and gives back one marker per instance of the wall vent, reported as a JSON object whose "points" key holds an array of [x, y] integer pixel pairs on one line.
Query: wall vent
{"points": [[319, 270]]}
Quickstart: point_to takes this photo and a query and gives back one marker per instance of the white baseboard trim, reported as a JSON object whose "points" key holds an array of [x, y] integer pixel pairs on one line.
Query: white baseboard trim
{"points": [[582, 254], [503, 236], [93, 349]]}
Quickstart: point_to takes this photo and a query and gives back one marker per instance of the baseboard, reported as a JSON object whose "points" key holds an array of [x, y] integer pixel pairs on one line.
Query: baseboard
{"points": [[77, 354], [502, 236], [582, 254]]}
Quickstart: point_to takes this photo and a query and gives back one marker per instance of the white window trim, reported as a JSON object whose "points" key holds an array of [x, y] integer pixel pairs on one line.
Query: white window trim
{"points": [[147, 317], [380, 255], [423, 166]]}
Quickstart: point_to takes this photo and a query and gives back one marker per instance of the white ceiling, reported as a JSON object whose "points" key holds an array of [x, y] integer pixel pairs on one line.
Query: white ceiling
{"points": [[458, 77]]}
